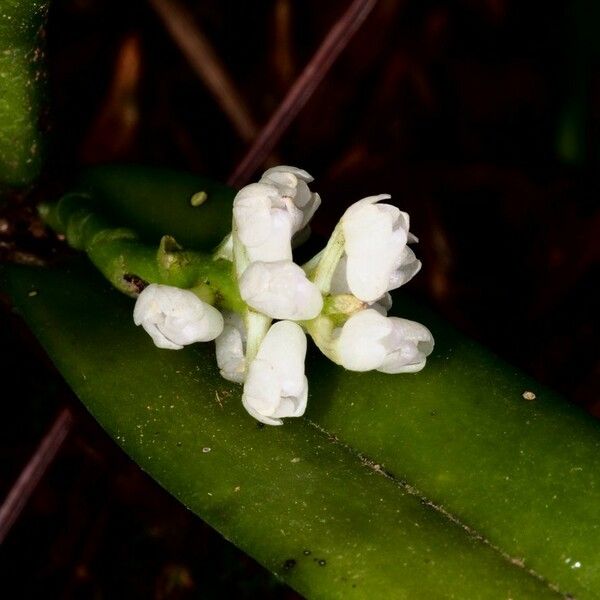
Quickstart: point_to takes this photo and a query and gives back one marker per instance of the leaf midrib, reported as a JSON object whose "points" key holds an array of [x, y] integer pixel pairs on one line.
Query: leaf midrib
{"points": [[368, 463]]}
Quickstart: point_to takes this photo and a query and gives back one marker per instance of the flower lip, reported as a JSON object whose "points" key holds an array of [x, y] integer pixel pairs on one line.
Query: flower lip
{"points": [[292, 183], [230, 349], [410, 345], [174, 317]]}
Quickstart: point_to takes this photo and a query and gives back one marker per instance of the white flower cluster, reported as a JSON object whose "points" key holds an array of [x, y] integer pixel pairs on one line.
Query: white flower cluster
{"points": [[340, 297]]}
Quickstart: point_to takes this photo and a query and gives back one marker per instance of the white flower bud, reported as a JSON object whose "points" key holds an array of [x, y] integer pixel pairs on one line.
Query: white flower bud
{"points": [[276, 386], [375, 238], [175, 318], [231, 349], [280, 290], [368, 340]]}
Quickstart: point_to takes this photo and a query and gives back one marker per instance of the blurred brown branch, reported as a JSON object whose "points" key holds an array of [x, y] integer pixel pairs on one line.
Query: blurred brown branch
{"points": [[204, 60]]}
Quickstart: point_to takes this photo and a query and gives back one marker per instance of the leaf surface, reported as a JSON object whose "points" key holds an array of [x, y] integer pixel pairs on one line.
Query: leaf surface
{"points": [[303, 504]]}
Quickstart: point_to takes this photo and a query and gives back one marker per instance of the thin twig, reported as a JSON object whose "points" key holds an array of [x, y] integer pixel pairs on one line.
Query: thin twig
{"points": [[314, 72], [203, 59], [33, 472]]}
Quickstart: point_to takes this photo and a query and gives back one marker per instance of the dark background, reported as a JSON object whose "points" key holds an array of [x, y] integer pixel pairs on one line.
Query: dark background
{"points": [[480, 117]]}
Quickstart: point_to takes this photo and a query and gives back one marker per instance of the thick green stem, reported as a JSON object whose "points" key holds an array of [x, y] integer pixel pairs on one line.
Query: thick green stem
{"points": [[129, 264], [21, 82]]}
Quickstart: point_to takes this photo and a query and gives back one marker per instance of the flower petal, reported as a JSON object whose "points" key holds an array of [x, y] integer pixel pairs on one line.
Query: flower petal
{"points": [[299, 173], [252, 213], [408, 266], [409, 345], [278, 244], [360, 346], [291, 182], [230, 349]]}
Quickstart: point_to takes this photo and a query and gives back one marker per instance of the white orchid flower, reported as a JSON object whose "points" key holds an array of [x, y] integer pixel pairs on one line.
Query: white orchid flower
{"points": [[375, 242], [276, 386], [174, 317], [368, 340], [231, 349], [268, 214], [280, 290]]}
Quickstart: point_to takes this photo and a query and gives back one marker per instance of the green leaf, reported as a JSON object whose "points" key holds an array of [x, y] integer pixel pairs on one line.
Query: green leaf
{"points": [[308, 507], [159, 202]]}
